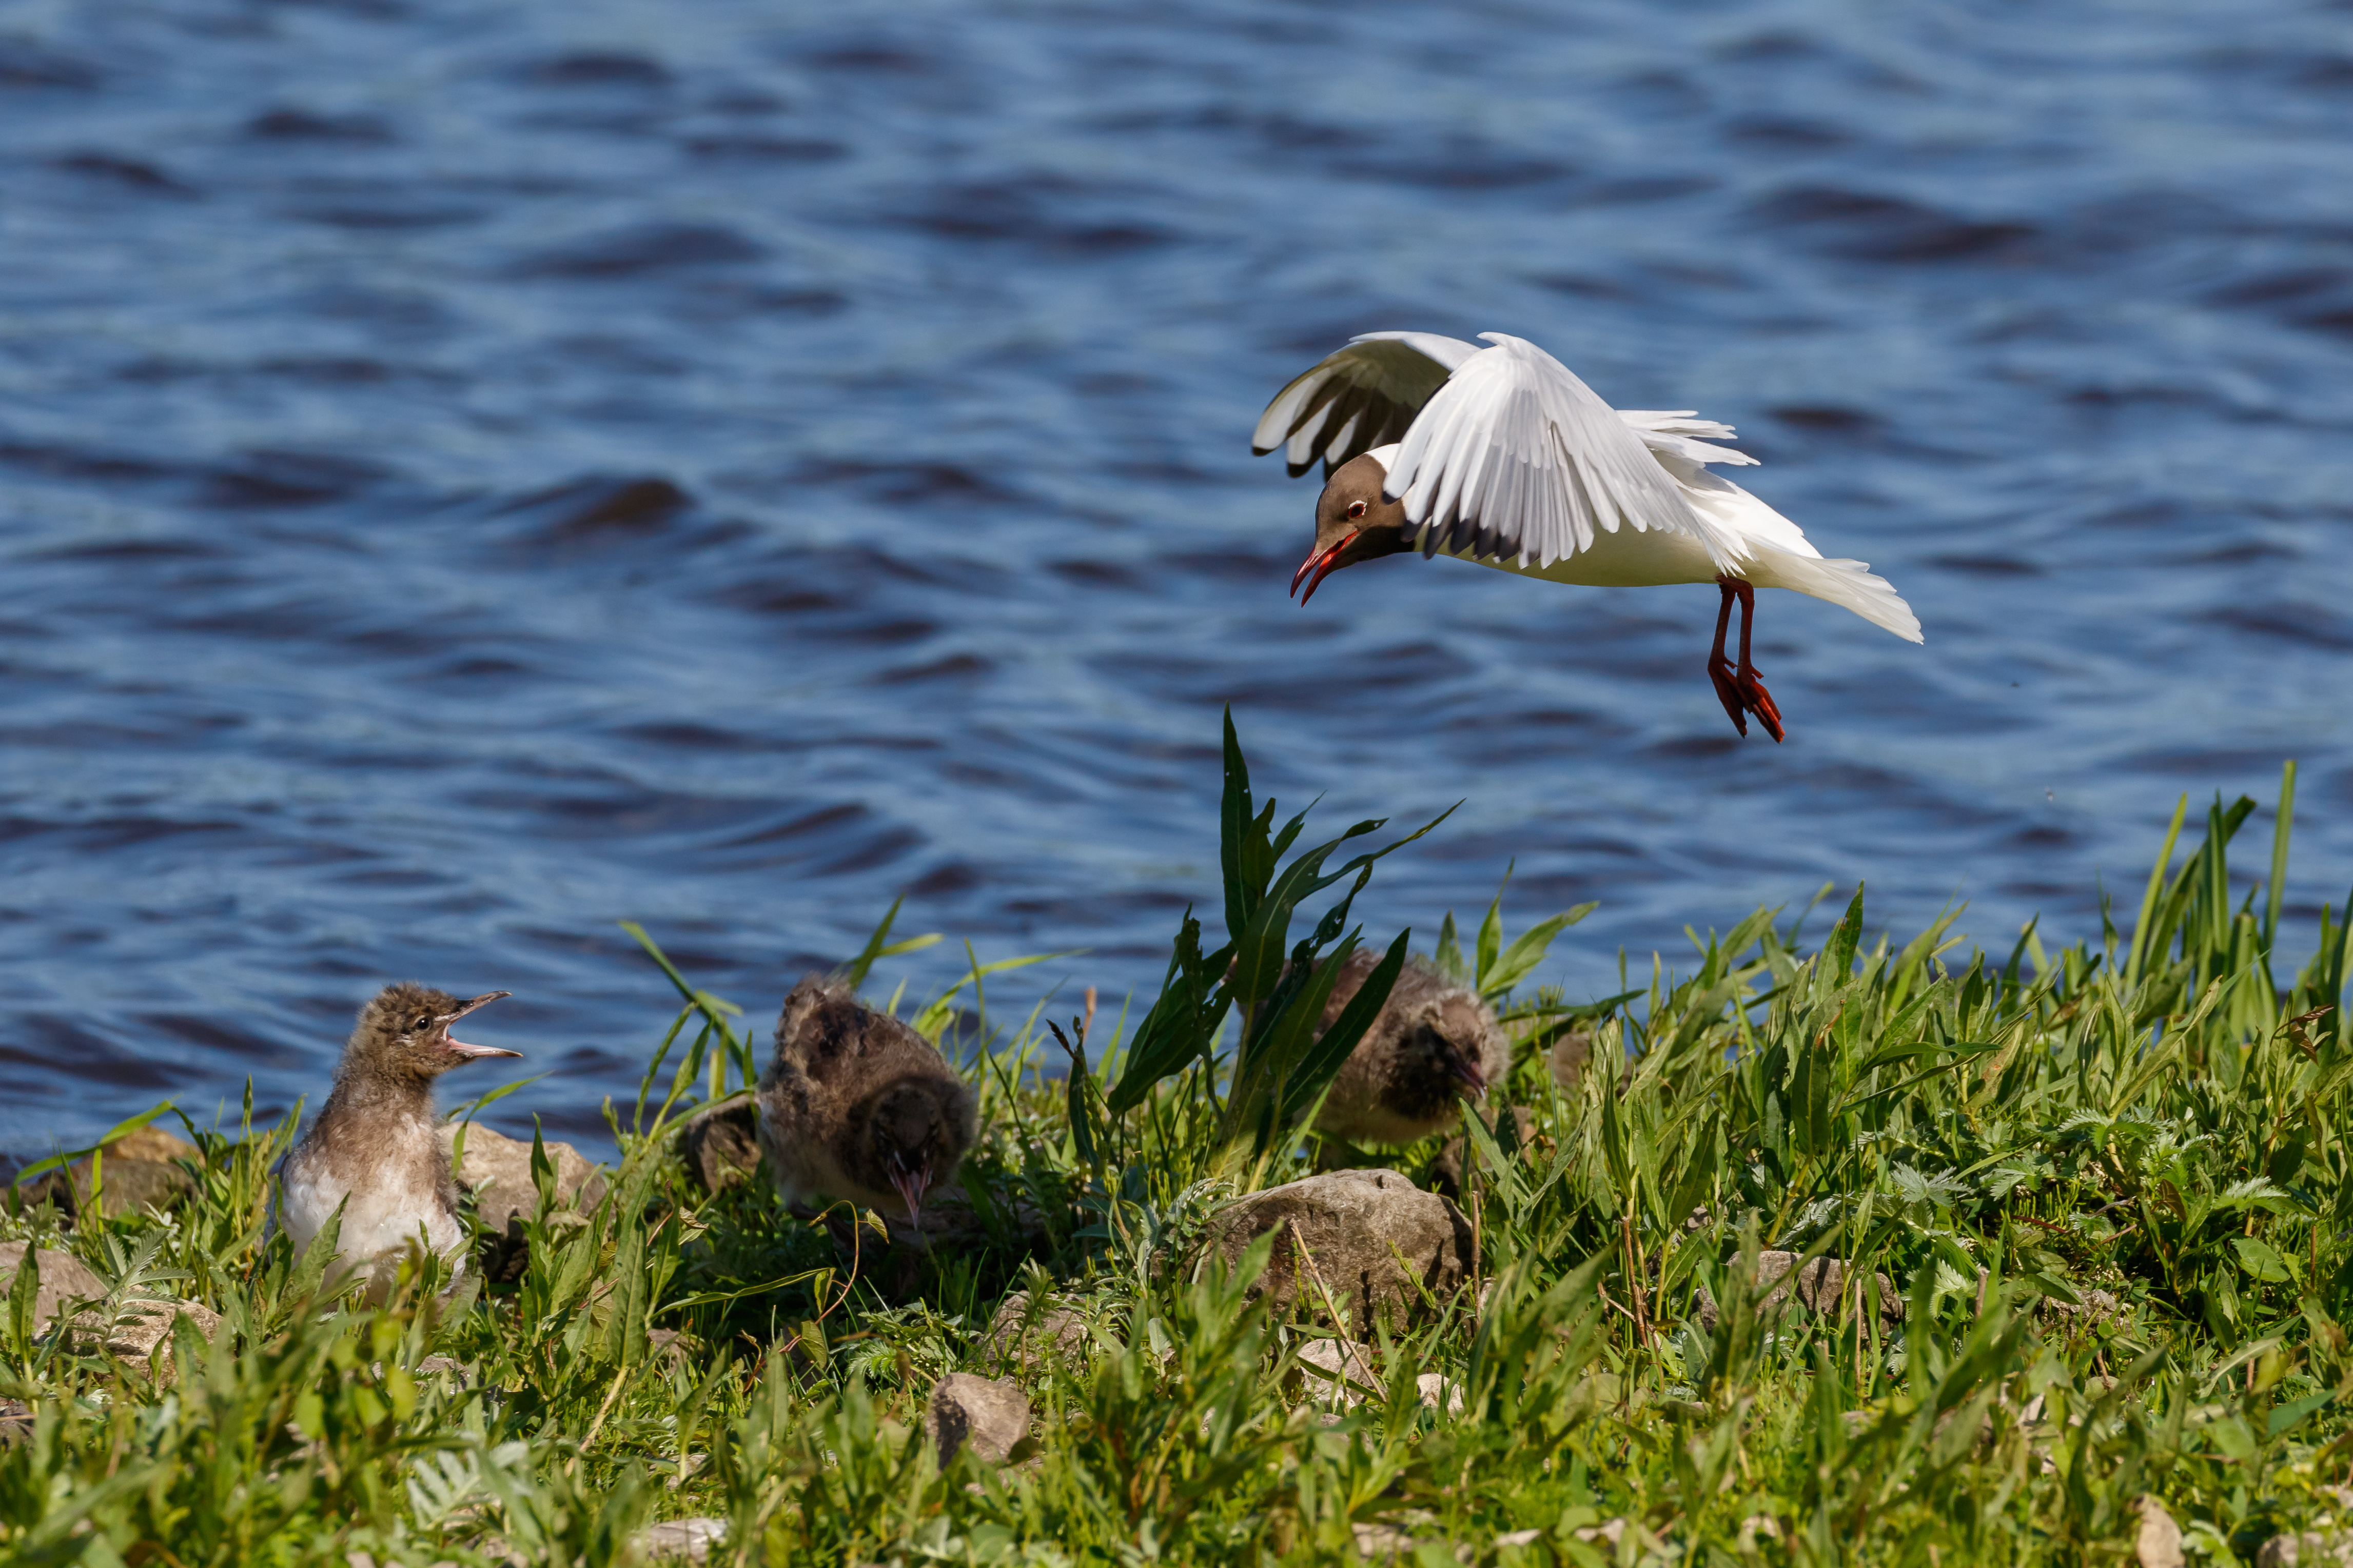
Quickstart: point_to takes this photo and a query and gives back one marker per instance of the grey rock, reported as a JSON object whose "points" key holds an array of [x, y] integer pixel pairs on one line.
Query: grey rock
{"points": [[15, 1422], [1389, 1540], [682, 1540], [1017, 1339], [434, 1366], [2158, 1543], [146, 1168], [2097, 1307], [1382, 1543], [496, 1170], [989, 1415], [64, 1277], [1821, 1287], [1365, 1242], [1440, 1394], [1340, 1370], [2311, 1550], [135, 1328], [719, 1145]]}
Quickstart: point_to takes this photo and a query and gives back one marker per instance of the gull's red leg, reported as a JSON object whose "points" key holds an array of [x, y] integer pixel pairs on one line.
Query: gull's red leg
{"points": [[1719, 668], [1745, 681]]}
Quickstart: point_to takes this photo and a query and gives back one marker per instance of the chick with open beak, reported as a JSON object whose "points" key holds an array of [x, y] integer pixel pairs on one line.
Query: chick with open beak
{"points": [[1433, 1044], [857, 1105], [375, 1152]]}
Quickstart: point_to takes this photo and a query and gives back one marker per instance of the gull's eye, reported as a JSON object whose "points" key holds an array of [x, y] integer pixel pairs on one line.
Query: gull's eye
{"points": [[1356, 508], [424, 1021]]}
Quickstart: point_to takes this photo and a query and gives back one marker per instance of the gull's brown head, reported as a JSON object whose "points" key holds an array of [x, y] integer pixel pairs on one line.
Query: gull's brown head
{"points": [[404, 1033], [1354, 521]]}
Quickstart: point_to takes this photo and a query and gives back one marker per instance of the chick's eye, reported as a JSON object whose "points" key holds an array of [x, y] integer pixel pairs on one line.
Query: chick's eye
{"points": [[423, 1022], [1356, 508]]}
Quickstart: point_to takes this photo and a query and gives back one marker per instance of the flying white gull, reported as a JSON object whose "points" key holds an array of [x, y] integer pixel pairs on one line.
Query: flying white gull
{"points": [[1500, 455]]}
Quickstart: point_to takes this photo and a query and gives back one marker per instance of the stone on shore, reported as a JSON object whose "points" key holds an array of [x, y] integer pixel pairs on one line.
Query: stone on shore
{"points": [[1340, 1371], [682, 1540], [2310, 1550], [1822, 1287], [137, 1327], [989, 1415], [64, 1277], [1361, 1242], [496, 1169], [142, 1169], [1057, 1333]]}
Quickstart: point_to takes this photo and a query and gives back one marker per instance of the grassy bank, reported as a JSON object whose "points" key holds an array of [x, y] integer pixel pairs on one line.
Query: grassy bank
{"points": [[2107, 1186]]}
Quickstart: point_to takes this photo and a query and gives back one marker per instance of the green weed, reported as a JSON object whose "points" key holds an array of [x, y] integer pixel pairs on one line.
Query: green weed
{"points": [[2089, 1204]]}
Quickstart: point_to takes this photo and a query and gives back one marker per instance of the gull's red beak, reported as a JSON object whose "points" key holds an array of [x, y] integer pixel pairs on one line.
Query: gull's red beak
{"points": [[1322, 565], [461, 1046]]}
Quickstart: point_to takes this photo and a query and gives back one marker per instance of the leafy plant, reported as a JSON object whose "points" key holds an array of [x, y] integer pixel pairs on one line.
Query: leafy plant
{"points": [[1285, 1059], [1863, 1252]]}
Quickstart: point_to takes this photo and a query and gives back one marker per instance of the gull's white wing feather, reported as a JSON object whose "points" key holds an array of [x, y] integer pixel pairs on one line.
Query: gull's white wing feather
{"points": [[1681, 432], [1359, 398], [1514, 455]]}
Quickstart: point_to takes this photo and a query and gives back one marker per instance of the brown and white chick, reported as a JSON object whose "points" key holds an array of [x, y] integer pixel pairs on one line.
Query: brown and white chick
{"points": [[1433, 1044], [857, 1105], [376, 1148]]}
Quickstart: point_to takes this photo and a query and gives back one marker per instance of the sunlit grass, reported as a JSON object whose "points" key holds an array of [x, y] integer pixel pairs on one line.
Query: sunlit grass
{"points": [[2109, 1182]]}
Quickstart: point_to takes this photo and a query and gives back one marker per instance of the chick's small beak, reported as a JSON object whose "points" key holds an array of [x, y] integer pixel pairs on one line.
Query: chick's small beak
{"points": [[1466, 1072], [912, 1185], [1322, 563], [463, 1048]]}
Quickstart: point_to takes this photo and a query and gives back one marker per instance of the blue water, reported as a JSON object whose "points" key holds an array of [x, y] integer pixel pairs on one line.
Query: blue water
{"points": [[470, 475]]}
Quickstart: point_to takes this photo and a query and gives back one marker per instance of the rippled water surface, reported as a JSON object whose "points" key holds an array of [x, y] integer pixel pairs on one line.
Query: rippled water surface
{"points": [[472, 474]]}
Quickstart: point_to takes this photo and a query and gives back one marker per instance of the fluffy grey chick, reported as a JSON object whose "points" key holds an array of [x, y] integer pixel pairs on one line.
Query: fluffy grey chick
{"points": [[1433, 1043], [857, 1105], [376, 1148]]}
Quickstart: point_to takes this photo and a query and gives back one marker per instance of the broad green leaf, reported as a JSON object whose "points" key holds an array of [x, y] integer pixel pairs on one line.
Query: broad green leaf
{"points": [[1491, 934], [1515, 961], [2259, 1260]]}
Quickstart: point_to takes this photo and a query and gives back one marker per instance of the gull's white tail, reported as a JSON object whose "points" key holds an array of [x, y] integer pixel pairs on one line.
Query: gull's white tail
{"points": [[1775, 552], [1849, 584]]}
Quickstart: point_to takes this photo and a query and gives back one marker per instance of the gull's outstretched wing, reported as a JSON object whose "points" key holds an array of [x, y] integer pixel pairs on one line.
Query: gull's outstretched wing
{"points": [[1361, 398], [1514, 455]]}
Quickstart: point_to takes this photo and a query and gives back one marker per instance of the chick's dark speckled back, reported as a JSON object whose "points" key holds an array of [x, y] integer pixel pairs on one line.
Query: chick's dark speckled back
{"points": [[853, 1095]]}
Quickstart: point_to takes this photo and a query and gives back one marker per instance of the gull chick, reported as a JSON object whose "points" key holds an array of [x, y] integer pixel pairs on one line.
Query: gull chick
{"points": [[857, 1105], [374, 1148], [1432, 1045], [1501, 456]]}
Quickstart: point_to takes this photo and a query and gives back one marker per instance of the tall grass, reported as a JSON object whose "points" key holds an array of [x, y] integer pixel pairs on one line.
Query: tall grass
{"points": [[2106, 1186]]}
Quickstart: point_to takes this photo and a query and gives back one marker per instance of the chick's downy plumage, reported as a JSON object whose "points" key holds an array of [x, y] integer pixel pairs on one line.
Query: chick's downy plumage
{"points": [[857, 1105], [1433, 1044], [375, 1149]]}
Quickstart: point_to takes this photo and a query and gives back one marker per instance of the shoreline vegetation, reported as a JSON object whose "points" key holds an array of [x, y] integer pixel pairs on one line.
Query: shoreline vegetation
{"points": [[1899, 1252]]}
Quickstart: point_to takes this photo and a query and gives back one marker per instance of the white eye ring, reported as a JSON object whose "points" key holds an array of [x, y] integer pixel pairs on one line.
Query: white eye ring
{"points": [[1356, 508]]}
